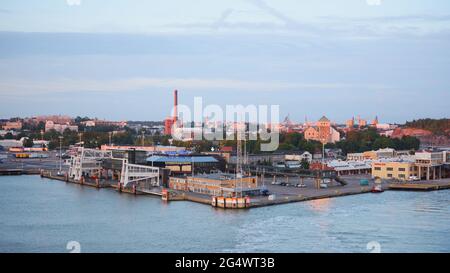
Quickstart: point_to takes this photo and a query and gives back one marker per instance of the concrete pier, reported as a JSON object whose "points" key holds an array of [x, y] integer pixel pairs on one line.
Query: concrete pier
{"points": [[279, 194]]}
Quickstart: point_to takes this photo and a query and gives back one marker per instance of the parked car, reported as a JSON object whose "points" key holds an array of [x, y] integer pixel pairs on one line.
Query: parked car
{"points": [[264, 192], [414, 178], [301, 186], [323, 185]]}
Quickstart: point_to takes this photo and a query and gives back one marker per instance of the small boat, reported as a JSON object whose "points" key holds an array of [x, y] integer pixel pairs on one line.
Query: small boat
{"points": [[377, 189]]}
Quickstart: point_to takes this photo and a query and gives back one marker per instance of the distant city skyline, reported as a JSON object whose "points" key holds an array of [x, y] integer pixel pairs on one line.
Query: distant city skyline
{"points": [[121, 60], [306, 119]]}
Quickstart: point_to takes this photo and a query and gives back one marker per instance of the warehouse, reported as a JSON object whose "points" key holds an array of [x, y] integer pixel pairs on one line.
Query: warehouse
{"points": [[217, 184], [183, 164]]}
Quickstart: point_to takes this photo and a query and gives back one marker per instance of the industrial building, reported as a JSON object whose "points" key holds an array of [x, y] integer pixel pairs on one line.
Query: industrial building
{"points": [[258, 159], [184, 164], [217, 184], [373, 155], [169, 122], [400, 169], [350, 167], [424, 165], [150, 149]]}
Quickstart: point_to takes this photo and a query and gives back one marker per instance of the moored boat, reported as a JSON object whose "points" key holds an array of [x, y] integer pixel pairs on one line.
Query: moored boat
{"points": [[377, 189]]}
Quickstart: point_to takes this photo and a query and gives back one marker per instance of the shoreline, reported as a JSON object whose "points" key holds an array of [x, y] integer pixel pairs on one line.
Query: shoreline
{"points": [[258, 202]]}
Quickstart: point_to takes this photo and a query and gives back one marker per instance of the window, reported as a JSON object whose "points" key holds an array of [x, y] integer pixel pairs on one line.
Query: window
{"points": [[377, 168], [401, 169], [389, 175], [389, 168], [401, 175]]}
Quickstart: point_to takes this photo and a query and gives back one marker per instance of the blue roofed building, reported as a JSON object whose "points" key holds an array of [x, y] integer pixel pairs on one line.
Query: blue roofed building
{"points": [[183, 164]]}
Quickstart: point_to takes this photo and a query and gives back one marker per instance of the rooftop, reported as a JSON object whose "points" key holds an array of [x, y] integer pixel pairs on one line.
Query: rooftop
{"points": [[182, 159], [218, 176]]}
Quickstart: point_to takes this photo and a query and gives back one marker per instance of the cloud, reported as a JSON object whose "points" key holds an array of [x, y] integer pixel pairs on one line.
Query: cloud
{"points": [[274, 12], [282, 22], [399, 18], [24, 88], [326, 26], [225, 14]]}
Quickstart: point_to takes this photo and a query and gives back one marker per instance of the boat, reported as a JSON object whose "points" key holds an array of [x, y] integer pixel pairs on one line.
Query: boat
{"points": [[377, 189]]}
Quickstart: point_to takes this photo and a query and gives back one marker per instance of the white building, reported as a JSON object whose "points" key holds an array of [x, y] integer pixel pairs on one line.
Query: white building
{"points": [[300, 157], [350, 167], [50, 125], [10, 143]]}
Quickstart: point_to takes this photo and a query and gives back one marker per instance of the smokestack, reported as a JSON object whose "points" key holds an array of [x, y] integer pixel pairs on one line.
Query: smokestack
{"points": [[175, 105]]}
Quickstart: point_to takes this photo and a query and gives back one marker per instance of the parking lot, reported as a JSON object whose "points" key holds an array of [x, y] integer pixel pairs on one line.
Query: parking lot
{"points": [[11, 162], [289, 192]]}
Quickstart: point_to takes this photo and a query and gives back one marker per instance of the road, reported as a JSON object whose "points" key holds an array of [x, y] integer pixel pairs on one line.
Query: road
{"points": [[50, 163]]}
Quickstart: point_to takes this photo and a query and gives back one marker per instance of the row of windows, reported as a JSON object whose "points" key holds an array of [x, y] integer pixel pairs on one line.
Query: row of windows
{"points": [[391, 169], [400, 175]]}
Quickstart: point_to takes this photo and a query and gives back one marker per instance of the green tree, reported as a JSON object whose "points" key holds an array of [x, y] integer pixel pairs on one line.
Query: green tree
{"points": [[9, 135], [28, 142], [304, 164]]}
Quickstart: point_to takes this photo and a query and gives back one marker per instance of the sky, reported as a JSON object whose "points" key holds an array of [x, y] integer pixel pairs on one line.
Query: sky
{"points": [[121, 59]]}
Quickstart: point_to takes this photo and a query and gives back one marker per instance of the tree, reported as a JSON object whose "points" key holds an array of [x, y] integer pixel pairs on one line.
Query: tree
{"points": [[304, 164], [436, 126], [383, 142], [28, 142], [9, 135], [286, 147]]}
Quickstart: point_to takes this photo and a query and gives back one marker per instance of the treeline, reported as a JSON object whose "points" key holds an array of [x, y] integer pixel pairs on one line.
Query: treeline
{"points": [[287, 142], [436, 126], [355, 142], [90, 139], [296, 141], [361, 141]]}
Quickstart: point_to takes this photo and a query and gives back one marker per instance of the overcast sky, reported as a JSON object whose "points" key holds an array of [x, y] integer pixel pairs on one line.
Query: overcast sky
{"points": [[121, 59]]}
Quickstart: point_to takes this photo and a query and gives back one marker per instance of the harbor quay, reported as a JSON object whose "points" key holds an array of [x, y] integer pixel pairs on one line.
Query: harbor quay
{"points": [[127, 171], [279, 192]]}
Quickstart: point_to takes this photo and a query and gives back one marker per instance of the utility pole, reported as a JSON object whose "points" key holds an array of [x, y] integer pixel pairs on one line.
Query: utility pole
{"points": [[60, 154], [323, 153], [192, 160]]}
